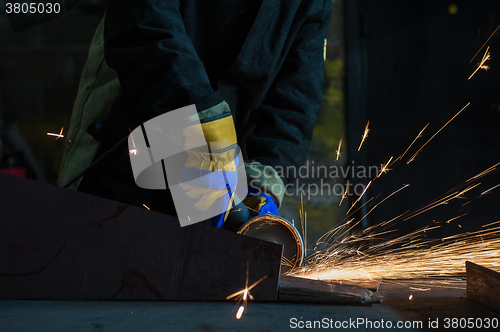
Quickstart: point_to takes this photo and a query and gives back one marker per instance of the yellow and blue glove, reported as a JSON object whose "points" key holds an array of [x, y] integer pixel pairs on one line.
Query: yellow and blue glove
{"points": [[256, 203], [210, 174], [259, 203]]}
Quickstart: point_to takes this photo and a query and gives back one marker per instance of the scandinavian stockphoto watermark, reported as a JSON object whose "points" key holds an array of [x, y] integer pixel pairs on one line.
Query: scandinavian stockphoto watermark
{"points": [[311, 180]]}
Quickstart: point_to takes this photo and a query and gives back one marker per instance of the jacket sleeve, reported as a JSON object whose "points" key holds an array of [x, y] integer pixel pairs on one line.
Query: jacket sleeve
{"points": [[288, 112], [157, 65]]}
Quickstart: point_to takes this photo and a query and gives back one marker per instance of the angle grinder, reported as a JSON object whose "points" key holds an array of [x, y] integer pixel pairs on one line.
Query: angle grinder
{"points": [[269, 228]]}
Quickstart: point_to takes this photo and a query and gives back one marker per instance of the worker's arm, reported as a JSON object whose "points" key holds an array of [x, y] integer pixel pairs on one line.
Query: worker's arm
{"points": [[288, 113], [160, 71], [157, 65]]}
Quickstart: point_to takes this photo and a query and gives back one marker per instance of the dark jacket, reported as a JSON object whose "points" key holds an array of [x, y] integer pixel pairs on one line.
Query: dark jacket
{"points": [[264, 58]]}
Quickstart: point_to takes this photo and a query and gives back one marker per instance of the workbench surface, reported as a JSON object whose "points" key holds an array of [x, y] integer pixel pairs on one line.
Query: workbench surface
{"points": [[432, 301]]}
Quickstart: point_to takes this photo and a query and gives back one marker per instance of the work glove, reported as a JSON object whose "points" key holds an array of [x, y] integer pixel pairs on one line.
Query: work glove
{"points": [[210, 174], [256, 203], [259, 203]]}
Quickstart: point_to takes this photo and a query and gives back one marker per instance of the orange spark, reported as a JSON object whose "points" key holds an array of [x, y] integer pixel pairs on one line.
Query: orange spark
{"points": [[344, 194], [450, 220], [493, 223], [146, 207], [484, 44], [240, 312], [481, 65], [437, 132], [385, 168], [359, 198], [57, 135], [488, 191], [365, 135], [491, 169], [338, 150], [133, 142], [244, 293], [416, 138]]}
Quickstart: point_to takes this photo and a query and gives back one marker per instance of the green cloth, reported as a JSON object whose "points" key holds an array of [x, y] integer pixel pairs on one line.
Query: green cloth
{"points": [[97, 91]]}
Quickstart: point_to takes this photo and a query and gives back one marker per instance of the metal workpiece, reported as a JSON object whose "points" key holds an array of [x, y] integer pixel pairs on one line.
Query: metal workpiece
{"points": [[60, 244], [483, 285], [293, 289]]}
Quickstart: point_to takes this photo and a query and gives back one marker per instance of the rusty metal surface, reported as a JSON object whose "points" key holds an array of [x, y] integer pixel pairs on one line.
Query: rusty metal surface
{"points": [[59, 244], [293, 289], [483, 285]]}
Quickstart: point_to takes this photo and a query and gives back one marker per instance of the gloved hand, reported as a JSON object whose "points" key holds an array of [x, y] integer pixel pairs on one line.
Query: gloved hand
{"points": [[259, 203], [256, 203], [209, 176]]}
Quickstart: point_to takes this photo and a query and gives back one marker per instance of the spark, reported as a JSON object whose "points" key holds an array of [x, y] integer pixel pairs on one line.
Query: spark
{"points": [[365, 135], [344, 194], [416, 138], [483, 173], [498, 27], [442, 201], [493, 223], [351, 259], [411, 297], [488, 191], [240, 312], [303, 221], [338, 150], [481, 65], [133, 142], [360, 196], [57, 135], [455, 218], [134, 150], [382, 201], [344, 254], [421, 289], [146, 207], [235, 210], [385, 168], [244, 294], [437, 132]]}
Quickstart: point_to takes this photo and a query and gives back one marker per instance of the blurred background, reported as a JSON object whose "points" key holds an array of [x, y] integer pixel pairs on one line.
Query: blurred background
{"points": [[398, 64]]}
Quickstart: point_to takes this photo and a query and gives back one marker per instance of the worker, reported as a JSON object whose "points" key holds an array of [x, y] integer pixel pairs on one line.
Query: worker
{"points": [[257, 65]]}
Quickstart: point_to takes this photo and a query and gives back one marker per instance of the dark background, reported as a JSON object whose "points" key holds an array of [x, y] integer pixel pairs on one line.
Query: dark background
{"points": [[408, 64], [40, 69]]}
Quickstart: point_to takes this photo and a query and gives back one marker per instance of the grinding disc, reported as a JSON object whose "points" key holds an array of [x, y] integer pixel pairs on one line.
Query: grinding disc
{"points": [[277, 230]]}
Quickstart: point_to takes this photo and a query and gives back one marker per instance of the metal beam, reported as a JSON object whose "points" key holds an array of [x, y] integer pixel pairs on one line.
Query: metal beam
{"points": [[483, 285], [58, 244]]}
